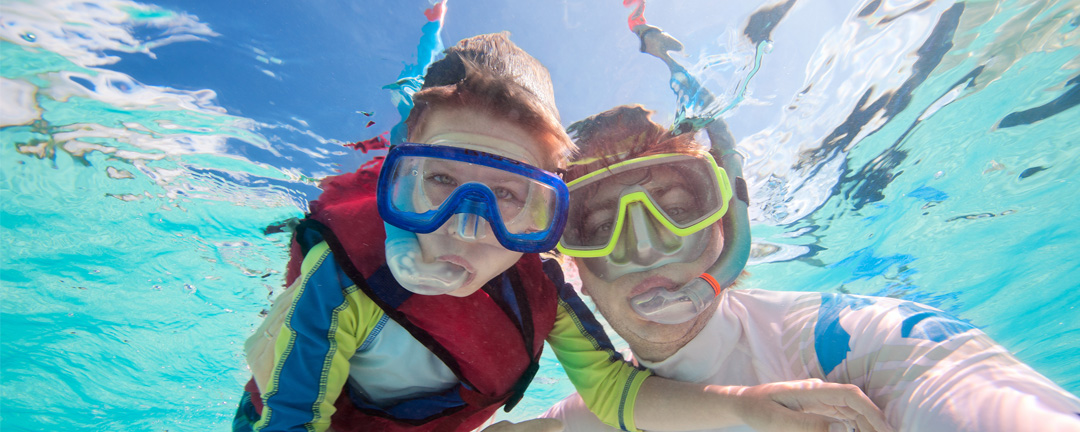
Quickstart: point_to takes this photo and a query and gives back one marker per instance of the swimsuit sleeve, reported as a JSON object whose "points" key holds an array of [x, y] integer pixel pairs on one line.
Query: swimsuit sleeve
{"points": [[608, 384], [929, 371], [327, 321]]}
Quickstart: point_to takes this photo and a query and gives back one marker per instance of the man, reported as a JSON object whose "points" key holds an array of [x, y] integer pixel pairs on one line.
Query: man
{"points": [[659, 236]]}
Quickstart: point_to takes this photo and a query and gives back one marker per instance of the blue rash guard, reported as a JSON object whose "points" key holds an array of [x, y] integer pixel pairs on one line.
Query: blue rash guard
{"points": [[334, 338]]}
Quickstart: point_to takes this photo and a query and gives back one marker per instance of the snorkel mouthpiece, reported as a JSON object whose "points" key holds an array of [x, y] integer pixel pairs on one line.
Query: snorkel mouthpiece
{"points": [[676, 307], [409, 269]]}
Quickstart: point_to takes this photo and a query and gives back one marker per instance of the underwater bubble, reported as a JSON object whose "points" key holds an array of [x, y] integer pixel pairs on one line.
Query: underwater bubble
{"points": [[29, 37]]}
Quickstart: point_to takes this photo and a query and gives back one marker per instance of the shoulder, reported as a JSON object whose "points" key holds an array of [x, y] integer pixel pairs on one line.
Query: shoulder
{"points": [[764, 308], [325, 285], [315, 258], [873, 329], [890, 319]]}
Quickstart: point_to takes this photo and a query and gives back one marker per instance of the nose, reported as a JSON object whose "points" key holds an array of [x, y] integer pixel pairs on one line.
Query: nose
{"points": [[644, 241], [468, 224], [468, 227]]}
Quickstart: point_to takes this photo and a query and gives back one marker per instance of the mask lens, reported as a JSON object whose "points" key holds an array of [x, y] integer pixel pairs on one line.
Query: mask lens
{"points": [[421, 185], [684, 190]]}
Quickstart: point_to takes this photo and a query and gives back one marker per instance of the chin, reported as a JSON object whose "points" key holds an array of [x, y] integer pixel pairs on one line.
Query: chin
{"points": [[655, 341], [657, 333], [466, 290]]}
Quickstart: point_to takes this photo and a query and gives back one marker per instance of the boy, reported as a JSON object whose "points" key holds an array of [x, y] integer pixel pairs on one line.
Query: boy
{"points": [[446, 324]]}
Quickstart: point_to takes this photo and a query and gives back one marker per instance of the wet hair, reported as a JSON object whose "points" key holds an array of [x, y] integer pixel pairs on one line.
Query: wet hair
{"points": [[622, 133], [491, 74]]}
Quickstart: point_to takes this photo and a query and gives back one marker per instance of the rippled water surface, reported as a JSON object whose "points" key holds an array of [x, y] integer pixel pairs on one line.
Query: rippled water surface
{"points": [[926, 150]]}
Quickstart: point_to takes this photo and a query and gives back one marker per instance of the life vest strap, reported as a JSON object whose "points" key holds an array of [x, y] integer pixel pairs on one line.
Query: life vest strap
{"points": [[308, 234]]}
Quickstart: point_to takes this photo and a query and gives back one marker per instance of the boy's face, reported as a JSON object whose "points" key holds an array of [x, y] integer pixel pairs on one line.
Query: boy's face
{"points": [[482, 257]]}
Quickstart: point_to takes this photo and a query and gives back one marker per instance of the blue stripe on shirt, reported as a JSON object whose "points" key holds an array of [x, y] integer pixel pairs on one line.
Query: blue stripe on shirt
{"points": [[308, 355]]}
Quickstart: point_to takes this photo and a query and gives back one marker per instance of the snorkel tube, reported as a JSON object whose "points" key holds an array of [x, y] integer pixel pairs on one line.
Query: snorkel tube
{"points": [[688, 301], [402, 247]]}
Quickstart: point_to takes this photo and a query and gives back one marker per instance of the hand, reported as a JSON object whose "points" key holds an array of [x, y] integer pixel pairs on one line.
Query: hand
{"points": [[810, 405], [536, 425]]}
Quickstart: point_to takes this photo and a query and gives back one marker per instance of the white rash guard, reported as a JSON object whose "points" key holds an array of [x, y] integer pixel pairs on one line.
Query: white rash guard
{"points": [[927, 371]]}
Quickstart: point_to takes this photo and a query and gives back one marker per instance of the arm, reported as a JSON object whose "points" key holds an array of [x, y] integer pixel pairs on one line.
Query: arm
{"points": [[629, 398], [575, 416], [805, 405], [932, 372], [608, 385], [321, 331]]}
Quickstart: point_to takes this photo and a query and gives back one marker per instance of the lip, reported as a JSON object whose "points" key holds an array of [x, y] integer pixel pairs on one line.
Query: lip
{"points": [[460, 262], [650, 283]]}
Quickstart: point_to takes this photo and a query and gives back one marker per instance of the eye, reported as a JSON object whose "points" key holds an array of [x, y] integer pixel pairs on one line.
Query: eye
{"points": [[679, 203], [604, 228], [599, 231], [503, 193], [442, 179], [511, 192]]}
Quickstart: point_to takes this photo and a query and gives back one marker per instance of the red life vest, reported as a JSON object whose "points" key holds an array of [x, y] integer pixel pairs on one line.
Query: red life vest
{"points": [[480, 337]]}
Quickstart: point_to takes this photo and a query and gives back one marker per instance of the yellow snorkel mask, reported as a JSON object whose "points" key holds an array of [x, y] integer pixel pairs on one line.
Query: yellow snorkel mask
{"points": [[609, 226], [683, 193], [647, 212]]}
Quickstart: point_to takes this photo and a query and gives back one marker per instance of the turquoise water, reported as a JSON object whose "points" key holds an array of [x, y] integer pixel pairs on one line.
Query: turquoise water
{"points": [[927, 151]]}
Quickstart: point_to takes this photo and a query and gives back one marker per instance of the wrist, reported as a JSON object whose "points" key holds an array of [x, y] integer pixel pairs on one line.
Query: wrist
{"points": [[734, 400]]}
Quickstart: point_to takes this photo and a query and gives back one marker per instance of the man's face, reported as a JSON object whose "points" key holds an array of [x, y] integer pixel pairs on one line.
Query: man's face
{"points": [[650, 340], [482, 257]]}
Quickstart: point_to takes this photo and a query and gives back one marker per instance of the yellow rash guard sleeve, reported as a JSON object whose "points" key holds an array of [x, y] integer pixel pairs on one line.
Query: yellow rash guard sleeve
{"points": [[608, 384]]}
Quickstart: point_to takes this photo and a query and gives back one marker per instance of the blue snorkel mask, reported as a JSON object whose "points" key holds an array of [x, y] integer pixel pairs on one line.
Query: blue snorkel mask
{"points": [[424, 186]]}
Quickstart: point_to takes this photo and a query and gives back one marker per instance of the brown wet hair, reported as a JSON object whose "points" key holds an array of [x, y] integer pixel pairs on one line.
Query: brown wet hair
{"points": [[622, 133], [493, 75]]}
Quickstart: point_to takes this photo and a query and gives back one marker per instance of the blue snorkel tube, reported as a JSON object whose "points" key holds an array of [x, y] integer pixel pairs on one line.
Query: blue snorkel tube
{"points": [[688, 301], [403, 255]]}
